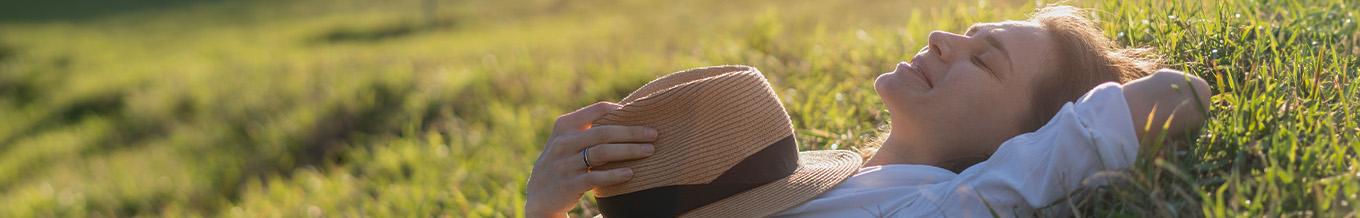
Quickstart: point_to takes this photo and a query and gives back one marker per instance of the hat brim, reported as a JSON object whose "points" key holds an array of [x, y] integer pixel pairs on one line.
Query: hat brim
{"points": [[818, 171]]}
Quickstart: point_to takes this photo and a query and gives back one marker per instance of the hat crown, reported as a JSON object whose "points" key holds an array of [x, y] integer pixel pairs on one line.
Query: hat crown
{"points": [[707, 119]]}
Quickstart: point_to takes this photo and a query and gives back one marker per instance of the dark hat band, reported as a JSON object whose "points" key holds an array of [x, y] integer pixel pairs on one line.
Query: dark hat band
{"points": [[774, 162]]}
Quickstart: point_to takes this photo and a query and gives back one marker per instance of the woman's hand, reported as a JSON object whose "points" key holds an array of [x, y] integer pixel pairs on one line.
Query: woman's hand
{"points": [[561, 174]]}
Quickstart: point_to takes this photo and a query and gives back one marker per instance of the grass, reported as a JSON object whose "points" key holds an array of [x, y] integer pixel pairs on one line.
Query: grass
{"points": [[406, 108]]}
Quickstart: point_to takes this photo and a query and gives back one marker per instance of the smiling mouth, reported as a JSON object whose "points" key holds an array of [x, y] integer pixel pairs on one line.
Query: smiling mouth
{"points": [[912, 68]]}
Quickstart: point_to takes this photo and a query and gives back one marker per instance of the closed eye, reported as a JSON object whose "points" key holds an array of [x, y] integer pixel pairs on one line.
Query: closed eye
{"points": [[978, 61]]}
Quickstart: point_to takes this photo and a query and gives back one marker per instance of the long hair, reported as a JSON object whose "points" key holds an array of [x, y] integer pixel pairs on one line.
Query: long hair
{"points": [[1085, 58]]}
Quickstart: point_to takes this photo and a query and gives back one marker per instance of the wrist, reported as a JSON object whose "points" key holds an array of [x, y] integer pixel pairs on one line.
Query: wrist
{"points": [[542, 214], [532, 210]]}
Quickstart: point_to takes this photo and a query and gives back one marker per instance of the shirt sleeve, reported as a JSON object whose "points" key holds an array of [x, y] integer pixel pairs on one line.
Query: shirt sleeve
{"points": [[1036, 169]]}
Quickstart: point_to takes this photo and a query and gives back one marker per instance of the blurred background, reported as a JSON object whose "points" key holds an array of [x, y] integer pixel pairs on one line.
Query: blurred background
{"points": [[424, 108]]}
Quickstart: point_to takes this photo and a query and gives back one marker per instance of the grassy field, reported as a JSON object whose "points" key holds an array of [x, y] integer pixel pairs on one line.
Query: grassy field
{"points": [[425, 108]]}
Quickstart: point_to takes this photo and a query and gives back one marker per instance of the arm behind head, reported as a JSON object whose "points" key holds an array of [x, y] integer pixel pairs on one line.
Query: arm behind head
{"points": [[1167, 100]]}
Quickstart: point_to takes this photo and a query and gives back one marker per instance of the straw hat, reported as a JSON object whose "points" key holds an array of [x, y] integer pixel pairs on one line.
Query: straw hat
{"points": [[725, 148]]}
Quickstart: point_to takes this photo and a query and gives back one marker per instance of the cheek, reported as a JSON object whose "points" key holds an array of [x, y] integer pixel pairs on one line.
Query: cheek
{"points": [[1004, 108], [978, 95], [967, 81]]}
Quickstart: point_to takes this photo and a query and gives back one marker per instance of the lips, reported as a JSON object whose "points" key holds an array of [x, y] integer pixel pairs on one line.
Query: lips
{"points": [[915, 71]]}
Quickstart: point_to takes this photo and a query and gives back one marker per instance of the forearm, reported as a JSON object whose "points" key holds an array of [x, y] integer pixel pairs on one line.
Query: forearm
{"points": [[1168, 102]]}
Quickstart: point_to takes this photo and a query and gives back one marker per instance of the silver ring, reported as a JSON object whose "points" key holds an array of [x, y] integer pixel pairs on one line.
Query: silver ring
{"points": [[585, 157]]}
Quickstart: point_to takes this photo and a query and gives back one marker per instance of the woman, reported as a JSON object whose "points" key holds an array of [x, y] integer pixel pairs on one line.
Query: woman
{"points": [[966, 136]]}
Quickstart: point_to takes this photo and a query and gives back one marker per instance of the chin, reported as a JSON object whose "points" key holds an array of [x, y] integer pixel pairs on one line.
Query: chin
{"points": [[892, 91], [880, 84], [886, 88]]}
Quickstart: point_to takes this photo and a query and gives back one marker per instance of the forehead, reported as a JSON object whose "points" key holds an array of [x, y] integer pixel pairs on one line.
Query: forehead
{"points": [[1027, 44], [1014, 33]]}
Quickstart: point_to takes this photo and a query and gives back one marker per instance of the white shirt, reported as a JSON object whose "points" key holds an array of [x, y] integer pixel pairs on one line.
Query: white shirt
{"points": [[1029, 171]]}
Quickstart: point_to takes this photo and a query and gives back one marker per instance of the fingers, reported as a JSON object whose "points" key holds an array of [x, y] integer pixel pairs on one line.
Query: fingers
{"points": [[606, 153], [561, 175], [607, 177], [581, 118], [609, 134]]}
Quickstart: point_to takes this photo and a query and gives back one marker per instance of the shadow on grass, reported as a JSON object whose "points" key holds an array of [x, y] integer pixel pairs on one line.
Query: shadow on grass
{"points": [[384, 32], [6, 52], [13, 89]]}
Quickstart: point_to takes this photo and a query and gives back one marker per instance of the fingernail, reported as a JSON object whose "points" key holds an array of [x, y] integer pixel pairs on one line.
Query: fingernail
{"points": [[626, 172], [651, 132], [648, 149]]}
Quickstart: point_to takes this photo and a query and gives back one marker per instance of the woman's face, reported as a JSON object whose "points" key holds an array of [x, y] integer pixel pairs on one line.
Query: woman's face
{"points": [[968, 92]]}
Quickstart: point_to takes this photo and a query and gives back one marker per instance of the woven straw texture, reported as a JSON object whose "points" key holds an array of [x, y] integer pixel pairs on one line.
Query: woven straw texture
{"points": [[708, 119]]}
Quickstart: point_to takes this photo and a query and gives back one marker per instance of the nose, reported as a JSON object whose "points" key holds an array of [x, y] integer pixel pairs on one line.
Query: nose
{"points": [[949, 45]]}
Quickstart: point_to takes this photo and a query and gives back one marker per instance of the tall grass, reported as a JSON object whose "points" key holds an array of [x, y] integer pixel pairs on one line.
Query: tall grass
{"points": [[1283, 137], [352, 108]]}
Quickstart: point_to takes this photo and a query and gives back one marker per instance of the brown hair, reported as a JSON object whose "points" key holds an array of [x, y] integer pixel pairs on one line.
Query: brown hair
{"points": [[1085, 58]]}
